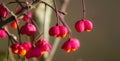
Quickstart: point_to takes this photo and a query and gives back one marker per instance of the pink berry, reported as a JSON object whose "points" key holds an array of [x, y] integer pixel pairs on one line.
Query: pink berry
{"points": [[54, 31], [83, 25], [43, 45], [88, 25], [2, 34], [3, 11], [22, 30], [18, 10], [58, 31], [33, 52], [27, 16], [75, 44], [79, 26], [27, 45], [71, 45], [28, 29], [63, 31]]}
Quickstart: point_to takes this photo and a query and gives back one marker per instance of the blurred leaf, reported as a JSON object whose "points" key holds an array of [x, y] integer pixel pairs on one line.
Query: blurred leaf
{"points": [[2, 56], [23, 59]]}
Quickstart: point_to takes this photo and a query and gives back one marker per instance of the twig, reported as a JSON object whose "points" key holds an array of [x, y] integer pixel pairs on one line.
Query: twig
{"points": [[64, 13], [11, 36], [20, 3], [14, 2], [15, 18]]}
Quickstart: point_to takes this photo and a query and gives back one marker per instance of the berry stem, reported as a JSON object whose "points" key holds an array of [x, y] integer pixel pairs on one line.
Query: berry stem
{"points": [[56, 12], [18, 29], [11, 36], [84, 9]]}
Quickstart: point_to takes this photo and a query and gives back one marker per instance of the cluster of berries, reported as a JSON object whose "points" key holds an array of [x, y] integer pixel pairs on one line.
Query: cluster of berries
{"points": [[83, 25], [26, 49], [58, 31], [41, 46]]}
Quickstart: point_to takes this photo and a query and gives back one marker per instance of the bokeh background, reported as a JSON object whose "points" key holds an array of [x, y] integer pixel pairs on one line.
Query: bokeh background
{"points": [[102, 43]]}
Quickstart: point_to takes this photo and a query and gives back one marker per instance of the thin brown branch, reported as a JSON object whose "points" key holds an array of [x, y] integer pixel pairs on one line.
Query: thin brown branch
{"points": [[56, 12], [62, 12], [15, 21], [14, 2], [20, 3]]}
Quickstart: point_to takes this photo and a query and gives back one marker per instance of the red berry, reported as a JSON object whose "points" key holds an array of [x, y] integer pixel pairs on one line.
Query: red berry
{"points": [[21, 50], [14, 24], [14, 48]]}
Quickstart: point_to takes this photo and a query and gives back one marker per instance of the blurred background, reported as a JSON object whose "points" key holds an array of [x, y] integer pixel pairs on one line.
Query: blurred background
{"points": [[102, 43]]}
